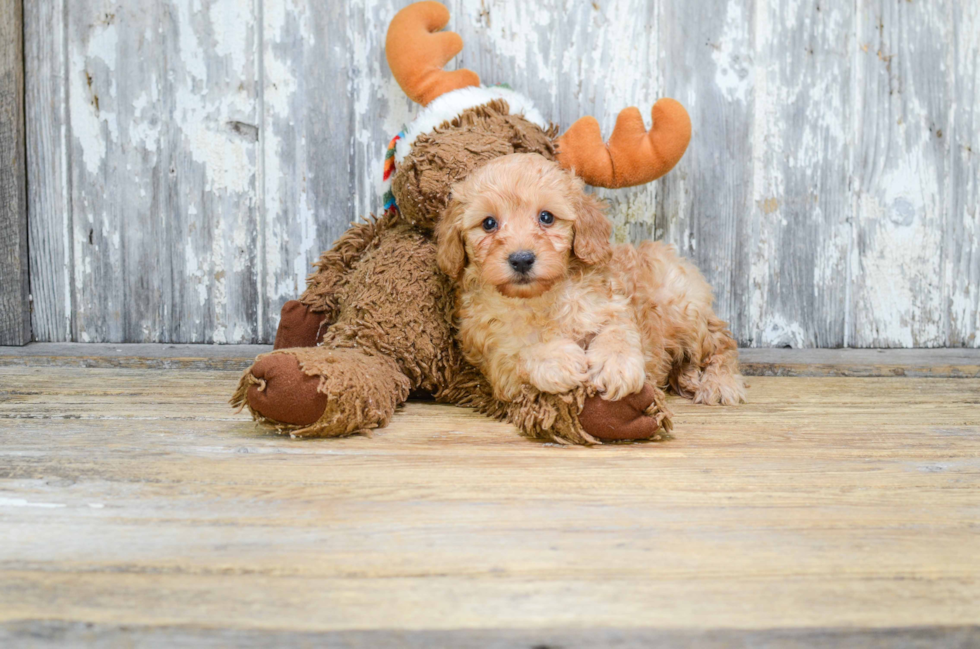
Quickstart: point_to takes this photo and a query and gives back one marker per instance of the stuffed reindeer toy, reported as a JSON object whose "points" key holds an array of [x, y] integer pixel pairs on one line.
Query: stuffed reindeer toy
{"points": [[375, 323]]}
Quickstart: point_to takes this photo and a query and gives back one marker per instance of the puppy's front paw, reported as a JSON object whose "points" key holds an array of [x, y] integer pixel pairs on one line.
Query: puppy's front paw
{"points": [[617, 375], [564, 369]]}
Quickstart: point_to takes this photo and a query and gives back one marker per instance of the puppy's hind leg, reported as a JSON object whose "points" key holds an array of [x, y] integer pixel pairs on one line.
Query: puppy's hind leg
{"points": [[719, 382]]}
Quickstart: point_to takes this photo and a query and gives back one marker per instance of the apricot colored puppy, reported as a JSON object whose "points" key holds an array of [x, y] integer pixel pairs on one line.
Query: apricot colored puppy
{"points": [[546, 300]]}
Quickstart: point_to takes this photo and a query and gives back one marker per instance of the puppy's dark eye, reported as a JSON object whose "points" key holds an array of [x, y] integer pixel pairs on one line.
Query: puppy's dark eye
{"points": [[489, 224], [546, 218]]}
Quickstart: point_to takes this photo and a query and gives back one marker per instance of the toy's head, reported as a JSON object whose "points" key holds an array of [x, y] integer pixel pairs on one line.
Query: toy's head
{"points": [[464, 125], [461, 142]]}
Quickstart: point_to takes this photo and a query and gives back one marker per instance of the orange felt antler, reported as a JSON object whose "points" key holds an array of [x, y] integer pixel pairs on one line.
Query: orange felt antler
{"points": [[417, 51], [633, 155]]}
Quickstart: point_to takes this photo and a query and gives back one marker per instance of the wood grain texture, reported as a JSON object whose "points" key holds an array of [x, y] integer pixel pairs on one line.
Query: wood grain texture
{"points": [[829, 193], [138, 502], [48, 166], [963, 223], [307, 166], [15, 311], [800, 229], [918, 363], [164, 112], [708, 65], [901, 174]]}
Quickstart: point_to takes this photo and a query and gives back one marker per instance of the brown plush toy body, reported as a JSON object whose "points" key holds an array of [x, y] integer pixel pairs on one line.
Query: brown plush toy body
{"points": [[375, 322]]}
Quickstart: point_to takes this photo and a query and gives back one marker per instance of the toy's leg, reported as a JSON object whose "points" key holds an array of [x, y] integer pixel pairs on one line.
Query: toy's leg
{"points": [[303, 321], [389, 332], [299, 326], [319, 392], [643, 415]]}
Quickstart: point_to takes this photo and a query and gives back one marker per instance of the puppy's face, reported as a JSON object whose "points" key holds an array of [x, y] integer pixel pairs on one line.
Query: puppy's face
{"points": [[517, 222]]}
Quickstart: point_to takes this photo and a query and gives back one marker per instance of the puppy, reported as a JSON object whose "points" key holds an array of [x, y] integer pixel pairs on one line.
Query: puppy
{"points": [[545, 300]]}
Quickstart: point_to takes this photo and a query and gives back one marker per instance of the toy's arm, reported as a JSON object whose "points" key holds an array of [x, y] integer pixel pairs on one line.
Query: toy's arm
{"points": [[302, 322], [634, 156], [335, 264]]}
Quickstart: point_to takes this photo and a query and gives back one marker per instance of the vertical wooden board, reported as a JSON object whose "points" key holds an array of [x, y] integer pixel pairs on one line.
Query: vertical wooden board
{"points": [[379, 108], [801, 208], [516, 44], [306, 127], [214, 223], [15, 317], [574, 59], [164, 134], [120, 201], [49, 207], [901, 174], [608, 60], [707, 63], [963, 220]]}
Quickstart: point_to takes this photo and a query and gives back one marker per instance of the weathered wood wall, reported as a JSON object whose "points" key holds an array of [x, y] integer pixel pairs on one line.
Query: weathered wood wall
{"points": [[190, 158], [15, 318]]}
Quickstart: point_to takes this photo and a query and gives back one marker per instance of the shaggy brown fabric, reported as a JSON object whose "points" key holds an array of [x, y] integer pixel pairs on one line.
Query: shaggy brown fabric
{"points": [[333, 267], [450, 152], [398, 304], [298, 326], [639, 416], [363, 390]]}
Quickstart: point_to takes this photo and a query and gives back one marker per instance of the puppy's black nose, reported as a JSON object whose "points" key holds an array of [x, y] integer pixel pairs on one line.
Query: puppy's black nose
{"points": [[521, 261]]}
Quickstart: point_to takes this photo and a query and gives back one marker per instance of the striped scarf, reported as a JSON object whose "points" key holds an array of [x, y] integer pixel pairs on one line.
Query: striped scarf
{"points": [[390, 205]]}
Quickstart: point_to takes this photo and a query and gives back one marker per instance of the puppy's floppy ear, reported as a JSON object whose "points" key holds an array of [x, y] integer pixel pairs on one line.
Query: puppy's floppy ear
{"points": [[592, 230], [450, 252]]}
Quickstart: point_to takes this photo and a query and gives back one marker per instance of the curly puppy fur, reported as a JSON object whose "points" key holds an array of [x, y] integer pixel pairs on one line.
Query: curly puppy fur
{"points": [[546, 301]]}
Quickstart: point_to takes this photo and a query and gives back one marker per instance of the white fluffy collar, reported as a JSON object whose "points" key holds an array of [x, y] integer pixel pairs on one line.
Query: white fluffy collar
{"points": [[450, 105]]}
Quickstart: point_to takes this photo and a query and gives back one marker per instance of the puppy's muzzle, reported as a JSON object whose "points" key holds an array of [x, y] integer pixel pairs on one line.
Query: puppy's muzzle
{"points": [[521, 261]]}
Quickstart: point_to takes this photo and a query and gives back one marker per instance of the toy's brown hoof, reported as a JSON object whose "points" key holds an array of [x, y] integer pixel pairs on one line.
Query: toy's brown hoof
{"points": [[298, 326], [623, 420], [284, 393]]}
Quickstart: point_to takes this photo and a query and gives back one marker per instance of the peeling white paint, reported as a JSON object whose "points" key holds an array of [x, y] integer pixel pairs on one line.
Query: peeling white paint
{"points": [[781, 333], [733, 54], [192, 56], [92, 68], [231, 23], [840, 139]]}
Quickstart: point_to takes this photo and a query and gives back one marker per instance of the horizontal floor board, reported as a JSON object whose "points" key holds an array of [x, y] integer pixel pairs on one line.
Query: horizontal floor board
{"points": [[939, 363]]}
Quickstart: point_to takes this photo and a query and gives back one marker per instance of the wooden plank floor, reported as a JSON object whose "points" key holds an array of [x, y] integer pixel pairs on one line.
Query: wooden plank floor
{"points": [[918, 363], [135, 506]]}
